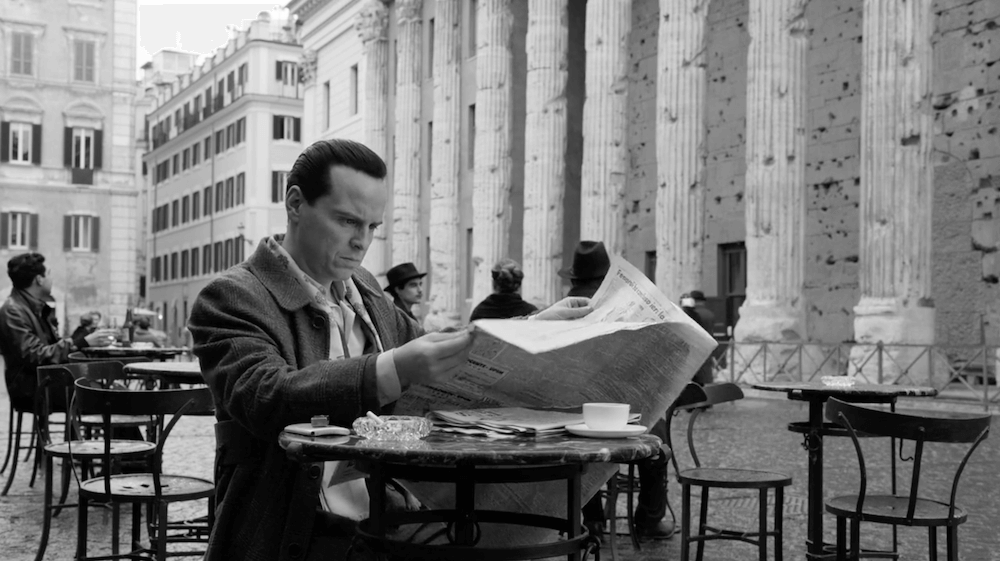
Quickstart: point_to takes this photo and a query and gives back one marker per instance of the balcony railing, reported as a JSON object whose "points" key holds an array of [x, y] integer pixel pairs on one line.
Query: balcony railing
{"points": [[958, 372]]}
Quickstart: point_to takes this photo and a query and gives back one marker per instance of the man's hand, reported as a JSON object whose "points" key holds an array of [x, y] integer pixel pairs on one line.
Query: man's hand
{"points": [[100, 338], [435, 357], [571, 307]]}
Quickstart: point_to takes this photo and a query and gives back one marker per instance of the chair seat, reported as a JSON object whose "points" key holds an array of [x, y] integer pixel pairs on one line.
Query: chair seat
{"points": [[139, 486], [117, 420], [887, 509], [730, 478], [94, 449]]}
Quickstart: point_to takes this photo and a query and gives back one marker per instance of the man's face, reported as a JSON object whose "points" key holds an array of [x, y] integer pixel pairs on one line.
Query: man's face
{"points": [[412, 292], [333, 233], [45, 283]]}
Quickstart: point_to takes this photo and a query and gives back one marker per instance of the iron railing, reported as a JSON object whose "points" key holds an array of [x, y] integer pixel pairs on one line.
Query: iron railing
{"points": [[959, 372]]}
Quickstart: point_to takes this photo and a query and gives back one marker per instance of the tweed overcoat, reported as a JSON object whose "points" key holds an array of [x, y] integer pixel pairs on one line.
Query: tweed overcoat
{"points": [[264, 351]]}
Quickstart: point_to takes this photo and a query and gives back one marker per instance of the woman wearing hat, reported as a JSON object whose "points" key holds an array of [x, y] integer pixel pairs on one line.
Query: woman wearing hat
{"points": [[506, 301], [406, 286]]}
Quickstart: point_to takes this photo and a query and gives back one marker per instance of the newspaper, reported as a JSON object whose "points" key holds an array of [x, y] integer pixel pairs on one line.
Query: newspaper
{"points": [[510, 422], [635, 347]]}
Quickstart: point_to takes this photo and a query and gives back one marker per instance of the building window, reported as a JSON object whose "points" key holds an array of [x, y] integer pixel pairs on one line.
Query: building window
{"points": [[471, 144], [220, 138], [206, 259], [184, 263], [240, 188], [208, 147], [326, 104], [22, 53], [230, 192], [207, 198], [185, 209], [286, 72], [81, 232], [19, 143], [83, 148], [177, 164], [83, 60], [279, 179], [195, 154], [173, 266], [287, 128], [195, 253], [185, 158], [175, 214], [195, 205], [219, 197], [217, 257], [18, 230], [353, 107], [241, 130]]}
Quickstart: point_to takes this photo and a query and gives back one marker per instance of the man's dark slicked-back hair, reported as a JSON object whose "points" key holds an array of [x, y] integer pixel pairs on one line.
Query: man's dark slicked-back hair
{"points": [[22, 269], [311, 171]]}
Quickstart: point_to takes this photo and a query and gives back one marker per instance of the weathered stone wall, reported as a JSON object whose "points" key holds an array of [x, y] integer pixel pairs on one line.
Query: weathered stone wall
{"points": [[967, 158]]}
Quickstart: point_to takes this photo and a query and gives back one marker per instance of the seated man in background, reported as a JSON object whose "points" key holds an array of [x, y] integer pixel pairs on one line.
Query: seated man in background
{"points": [[590, 264], [406, 286], [143, 334]]}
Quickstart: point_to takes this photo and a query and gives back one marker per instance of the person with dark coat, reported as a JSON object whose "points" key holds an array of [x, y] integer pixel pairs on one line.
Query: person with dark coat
{"points": [[506, 301], [406, 286], [590, 265], [298, 330], [88, 324], [706, 319], [29, 332]]}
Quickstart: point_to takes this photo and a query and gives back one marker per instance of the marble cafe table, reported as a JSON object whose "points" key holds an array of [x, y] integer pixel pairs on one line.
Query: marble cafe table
{"points": [[152, 353], [816, 393], [467, 461]]}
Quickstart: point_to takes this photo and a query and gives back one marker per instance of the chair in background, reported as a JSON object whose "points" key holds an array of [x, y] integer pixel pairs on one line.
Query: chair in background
{"points": [[132, 397], [15, 435], [695, 399], [55, 392], [910, 509]]}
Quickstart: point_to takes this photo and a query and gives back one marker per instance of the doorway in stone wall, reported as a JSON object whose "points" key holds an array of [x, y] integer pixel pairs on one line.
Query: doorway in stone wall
{"points": [[732, 285]]}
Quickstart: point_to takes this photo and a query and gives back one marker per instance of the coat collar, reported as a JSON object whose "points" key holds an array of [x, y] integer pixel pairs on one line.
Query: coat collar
{"points": [[287, 292]]}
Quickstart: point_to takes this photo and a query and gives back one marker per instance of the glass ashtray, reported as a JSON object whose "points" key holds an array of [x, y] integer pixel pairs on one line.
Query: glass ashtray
{"points": [[392, 427], [838, 381]]}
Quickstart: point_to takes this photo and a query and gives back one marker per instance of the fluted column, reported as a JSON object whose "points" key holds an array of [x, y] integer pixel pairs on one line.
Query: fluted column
{"points": [[680, 145], [372, 25], [406, 167], [605, 122], [547, 45], [896, 181], [445, 274], [775, 178], [491, 212]]}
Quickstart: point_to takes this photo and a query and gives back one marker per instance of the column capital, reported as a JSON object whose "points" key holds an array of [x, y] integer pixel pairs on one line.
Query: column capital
{"points": [[372, 20], [408, 10], [307, 67]]}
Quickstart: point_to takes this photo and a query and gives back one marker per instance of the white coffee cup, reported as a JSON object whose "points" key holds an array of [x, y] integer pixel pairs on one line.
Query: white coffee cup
{"points": [[605, 416]]}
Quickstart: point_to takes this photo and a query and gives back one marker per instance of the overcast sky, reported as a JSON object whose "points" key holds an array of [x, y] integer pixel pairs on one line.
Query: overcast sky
{"points": [[190, 24]]}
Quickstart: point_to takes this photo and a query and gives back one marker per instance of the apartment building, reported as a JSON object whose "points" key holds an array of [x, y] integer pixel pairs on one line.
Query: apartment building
{"points": [[222, 139], [67, 183]]}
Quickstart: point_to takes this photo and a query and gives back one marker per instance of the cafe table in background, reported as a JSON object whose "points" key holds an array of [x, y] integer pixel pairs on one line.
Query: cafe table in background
{"points": [[816, 392]]}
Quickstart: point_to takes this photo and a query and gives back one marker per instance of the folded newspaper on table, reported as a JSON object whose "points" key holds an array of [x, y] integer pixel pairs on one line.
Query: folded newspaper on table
{"points": [[635, 347], [510, 422]]}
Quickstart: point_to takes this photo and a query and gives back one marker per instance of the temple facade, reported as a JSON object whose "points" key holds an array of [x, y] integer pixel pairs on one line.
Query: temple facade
{"points": [[816, 186]]}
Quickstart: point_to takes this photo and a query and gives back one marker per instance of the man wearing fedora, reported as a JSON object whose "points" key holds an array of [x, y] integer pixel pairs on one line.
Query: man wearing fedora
{"points": [[590, 264], [406, 285]]}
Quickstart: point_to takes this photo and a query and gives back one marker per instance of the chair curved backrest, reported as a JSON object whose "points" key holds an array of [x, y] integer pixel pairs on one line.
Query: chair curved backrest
{"points": [[971, 429], [691, 397]]}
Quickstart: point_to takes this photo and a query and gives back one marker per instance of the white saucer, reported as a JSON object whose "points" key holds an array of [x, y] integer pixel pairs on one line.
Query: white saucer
{"points": [[628, 430]]}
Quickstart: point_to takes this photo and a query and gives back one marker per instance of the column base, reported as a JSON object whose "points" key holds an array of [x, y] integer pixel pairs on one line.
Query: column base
{"points": [[893, 342], [766, 338]]}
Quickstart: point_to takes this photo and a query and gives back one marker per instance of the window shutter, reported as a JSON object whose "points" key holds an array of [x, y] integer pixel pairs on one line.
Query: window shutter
{"points": [[278, 125], [239, 75], [67, 233], [4, 141], [98, 148], [33, 232], [4, 229], [68, 147], [298, 127], [95, 234], [36, 144], [274, 186], [277, 70]]}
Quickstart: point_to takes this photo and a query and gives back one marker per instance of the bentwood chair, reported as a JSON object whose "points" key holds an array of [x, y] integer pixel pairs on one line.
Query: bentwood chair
{"points": [[55, 391], [16, 433], [909, 509], [695, 399], [131, 396]]}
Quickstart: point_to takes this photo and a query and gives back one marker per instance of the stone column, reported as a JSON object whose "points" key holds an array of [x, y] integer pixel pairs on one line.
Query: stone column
{"points": [[547, 45], [446, 277], [491, 212], [680, 145], [372, 26], [406, 168], [605, 122], [896, 181], [775, 178]]}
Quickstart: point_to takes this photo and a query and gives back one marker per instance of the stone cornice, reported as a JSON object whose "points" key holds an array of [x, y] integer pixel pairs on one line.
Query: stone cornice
{"points": [[306, 8]]}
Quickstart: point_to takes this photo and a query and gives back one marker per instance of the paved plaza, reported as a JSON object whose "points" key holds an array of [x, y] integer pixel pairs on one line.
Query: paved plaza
{"points": [[748, 433]]}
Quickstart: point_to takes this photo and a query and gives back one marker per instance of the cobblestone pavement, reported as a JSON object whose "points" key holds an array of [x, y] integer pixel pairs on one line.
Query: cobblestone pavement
{"points": [[749, 433]]}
